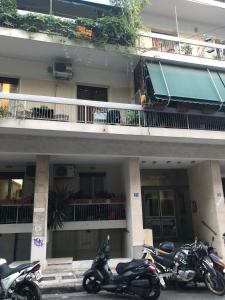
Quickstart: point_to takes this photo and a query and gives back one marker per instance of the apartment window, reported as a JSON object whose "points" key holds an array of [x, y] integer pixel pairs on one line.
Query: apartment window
{"points": [[11, 186], [92, 93], [92, 185]]}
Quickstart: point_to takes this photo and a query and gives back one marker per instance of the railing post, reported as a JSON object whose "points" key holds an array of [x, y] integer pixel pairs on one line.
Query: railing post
{"points": [[17, 214], [74, 214], [139, 117], [85, 114], [188, 125]]}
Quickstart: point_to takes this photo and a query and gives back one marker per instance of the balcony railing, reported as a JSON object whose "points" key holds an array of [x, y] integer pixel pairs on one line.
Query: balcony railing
{"points": [[15, 214], [178, 45], [31, 107], [18, 214], [97, 212]]}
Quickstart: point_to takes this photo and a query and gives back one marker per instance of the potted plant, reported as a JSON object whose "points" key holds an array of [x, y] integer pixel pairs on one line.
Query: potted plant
{"points": [[158, 105], [186, 49], [182, 107], [4, 112], [42, 112], [132, 118], [58, 208]]}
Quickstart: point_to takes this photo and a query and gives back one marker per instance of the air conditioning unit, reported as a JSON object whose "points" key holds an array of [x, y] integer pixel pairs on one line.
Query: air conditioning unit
{"points": [[30, 171], [64, 171], [62, 69]]}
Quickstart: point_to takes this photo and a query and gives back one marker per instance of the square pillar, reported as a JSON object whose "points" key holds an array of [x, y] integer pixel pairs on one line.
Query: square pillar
{"points": [[132, 186], [40, 214], [208, 205]]}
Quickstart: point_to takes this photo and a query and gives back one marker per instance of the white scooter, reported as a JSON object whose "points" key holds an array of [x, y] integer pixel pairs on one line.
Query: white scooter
{"points": [[18, 283]]}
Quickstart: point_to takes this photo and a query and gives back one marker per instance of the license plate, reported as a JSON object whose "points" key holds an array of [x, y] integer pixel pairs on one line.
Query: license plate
{"points": [[38, 275]]}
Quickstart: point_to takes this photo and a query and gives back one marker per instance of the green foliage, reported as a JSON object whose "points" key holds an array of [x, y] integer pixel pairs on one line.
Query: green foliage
{"points": [[58, 208], [114, 30], [119, 30], [131, 10], [8, 6], [4, 112]]}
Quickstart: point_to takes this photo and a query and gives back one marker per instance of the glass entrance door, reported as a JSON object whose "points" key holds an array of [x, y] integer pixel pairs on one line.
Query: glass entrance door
{"points": [[159, 213]]}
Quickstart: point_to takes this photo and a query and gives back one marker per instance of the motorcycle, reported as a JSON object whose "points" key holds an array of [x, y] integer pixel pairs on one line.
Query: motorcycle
{"points": [[18, 283], [219, 264], [138, 277], [189, 263]]}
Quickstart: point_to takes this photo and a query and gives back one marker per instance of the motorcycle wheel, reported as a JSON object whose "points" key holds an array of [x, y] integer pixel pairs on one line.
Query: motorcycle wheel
{"points": [[90, 284], [27, 290], [215, 284], [154, 294]]}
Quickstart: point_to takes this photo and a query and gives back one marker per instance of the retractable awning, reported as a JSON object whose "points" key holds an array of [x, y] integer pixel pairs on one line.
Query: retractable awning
{"points": [[179, 83]]}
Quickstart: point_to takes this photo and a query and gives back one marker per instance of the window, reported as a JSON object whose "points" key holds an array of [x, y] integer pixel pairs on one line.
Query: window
{"points": [[92, 185], [11, 186], [92, 93], [7, 85]]}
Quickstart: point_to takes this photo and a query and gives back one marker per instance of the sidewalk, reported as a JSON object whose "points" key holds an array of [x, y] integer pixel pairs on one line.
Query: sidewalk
{"points": [[65, 275]]}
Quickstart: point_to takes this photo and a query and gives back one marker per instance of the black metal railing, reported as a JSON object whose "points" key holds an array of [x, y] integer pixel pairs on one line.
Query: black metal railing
{"points": [[15, 214], [96, 212]]}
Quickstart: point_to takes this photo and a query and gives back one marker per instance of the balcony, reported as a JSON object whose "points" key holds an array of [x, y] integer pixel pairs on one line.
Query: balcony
{"points": [[63, 112], [181, 46], [21, 214]]}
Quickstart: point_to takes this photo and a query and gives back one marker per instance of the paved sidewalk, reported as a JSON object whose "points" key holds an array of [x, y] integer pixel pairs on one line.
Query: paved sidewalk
{"points": [[188, 294]]}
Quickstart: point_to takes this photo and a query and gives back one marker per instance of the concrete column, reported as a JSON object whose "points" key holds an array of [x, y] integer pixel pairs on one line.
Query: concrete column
{"points": [[132, 185], [40, 215], [208, 206]]}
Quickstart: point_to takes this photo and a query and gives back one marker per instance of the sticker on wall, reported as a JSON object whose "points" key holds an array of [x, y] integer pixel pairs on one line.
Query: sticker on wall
{"points": [[136, 195], [37, 229], [38, 242]]}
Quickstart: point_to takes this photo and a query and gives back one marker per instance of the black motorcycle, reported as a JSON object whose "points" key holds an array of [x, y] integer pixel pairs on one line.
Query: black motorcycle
{"points": [[138, 277], [189, 263]]}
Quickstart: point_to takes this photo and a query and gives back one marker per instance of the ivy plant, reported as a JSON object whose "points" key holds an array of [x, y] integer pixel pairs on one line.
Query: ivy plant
{"points": [[120, 29]]}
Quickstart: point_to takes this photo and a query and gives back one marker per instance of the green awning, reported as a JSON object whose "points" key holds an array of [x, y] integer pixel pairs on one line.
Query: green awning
{"points": [[180, 83]]}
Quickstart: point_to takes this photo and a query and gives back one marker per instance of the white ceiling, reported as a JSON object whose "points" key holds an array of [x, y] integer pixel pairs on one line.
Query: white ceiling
{"points": [[191, 15], [8, 160], [39, 51]]}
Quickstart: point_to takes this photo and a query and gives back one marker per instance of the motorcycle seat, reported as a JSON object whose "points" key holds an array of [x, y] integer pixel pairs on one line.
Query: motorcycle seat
{"points": [[168, 255], [6, 271], [124, 267]]}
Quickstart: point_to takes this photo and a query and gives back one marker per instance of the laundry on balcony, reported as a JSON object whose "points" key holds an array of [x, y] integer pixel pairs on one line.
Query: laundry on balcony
{"points": [[179, 83]]}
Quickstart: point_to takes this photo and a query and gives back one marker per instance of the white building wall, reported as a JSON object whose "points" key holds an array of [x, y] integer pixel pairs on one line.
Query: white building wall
{"points": [[35, 80], [208, 204]]}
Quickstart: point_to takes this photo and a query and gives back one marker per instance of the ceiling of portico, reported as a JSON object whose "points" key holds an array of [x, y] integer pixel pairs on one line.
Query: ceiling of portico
{"points": [[40, 51], [193, 17], [7, 160]]}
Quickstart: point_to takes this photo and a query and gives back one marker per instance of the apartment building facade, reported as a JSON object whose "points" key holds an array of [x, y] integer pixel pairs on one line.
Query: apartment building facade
{"points": [[117, 139]]}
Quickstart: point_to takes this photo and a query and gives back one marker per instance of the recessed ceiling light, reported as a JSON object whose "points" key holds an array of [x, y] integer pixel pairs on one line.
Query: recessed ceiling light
{"points": [[168, 161], [143, 161], [179, 162], [193, 162], [154, 162]]}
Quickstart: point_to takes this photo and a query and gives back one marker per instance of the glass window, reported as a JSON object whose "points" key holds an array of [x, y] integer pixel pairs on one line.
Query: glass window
{"points": [[11, 189], [92, 185], [151, 207]]}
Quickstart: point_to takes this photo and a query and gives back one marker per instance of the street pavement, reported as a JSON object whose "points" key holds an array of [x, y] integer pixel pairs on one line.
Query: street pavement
{"points": [[189, 293]]}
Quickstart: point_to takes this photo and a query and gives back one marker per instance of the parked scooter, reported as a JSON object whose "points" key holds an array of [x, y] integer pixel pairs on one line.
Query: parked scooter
{"points": [[18, 283], [186, 264], [138, 277]]}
